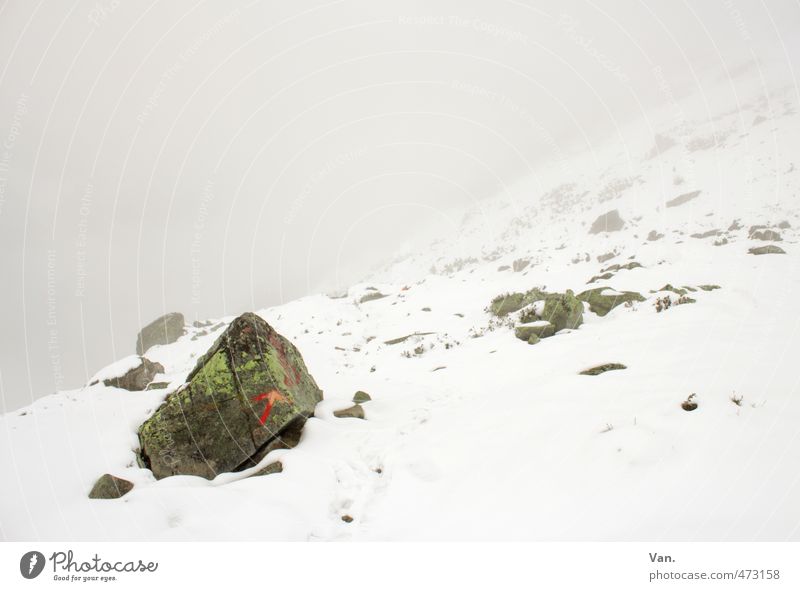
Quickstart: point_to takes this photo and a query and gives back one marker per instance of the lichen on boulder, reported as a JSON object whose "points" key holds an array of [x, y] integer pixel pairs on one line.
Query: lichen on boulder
{"points": [[563, 310], [602, 300], [249, 388]]}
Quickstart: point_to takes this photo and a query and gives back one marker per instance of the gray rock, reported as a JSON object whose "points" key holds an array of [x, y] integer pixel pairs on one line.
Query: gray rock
{"points": [[681, 199], [769, 249], [608, 222], [354, 412], [598, 369], [273, 468], [138, 378], [520, 265], [766, 235], [110, 487], [162, 331], [375, 295]]}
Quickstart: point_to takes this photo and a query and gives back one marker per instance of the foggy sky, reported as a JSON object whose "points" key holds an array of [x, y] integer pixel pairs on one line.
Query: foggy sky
{"points": [[213, 158]]}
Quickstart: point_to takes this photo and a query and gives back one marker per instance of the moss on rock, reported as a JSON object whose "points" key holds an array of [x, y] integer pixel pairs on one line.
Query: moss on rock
{"points": [[563, 310], [601, 302], [212, 424]]}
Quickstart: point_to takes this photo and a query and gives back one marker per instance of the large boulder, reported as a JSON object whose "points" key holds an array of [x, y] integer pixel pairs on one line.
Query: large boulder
{"points": [[137, 378], [249, 390], [161, 331], [604, 299], [563, 310]]}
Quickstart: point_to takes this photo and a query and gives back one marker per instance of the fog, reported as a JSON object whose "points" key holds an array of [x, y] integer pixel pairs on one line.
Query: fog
{"points": [[212, 158]]}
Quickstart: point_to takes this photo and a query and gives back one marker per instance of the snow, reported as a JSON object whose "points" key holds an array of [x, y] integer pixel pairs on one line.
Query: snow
{"points": [[472, 433]]}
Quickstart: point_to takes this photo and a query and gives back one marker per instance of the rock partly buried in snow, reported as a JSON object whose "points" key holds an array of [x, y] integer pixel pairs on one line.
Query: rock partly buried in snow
{"points": [[162, 331], [653, 236], [520, 264], [110, 487], [272, 468], [563, 310], [374, 295], [766, 235], [598, 369], [681, 199], [361, 397], [137, 378], [769, 249], [244, 394], [604, 299], [508, 303], [608, 222], [626, 267], [354, 412], [540, 329]]}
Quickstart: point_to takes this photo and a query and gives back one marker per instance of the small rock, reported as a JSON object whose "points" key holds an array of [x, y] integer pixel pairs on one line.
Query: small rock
{"points": [[598, 369], [138, 378], [653, 236], [361, 396], [769, 249], [347, 518], [681, 199], [273, 468], [540, 330], [375, 295], [110, 487], [520, 265], [354, 412]]}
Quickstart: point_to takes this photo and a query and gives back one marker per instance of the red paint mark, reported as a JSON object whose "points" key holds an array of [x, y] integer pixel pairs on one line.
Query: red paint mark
{"points": [[271, 397], [291, 375]]}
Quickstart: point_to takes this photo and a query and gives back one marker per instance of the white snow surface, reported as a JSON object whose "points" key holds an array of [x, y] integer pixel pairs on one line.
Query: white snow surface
{"points": [[474, 434]]}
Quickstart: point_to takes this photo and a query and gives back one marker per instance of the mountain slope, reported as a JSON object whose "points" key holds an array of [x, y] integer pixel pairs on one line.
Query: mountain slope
{"points": [[473, 433]]}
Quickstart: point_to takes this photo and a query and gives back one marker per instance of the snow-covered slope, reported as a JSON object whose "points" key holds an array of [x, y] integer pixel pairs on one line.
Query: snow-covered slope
{"points": [[473, 433]]}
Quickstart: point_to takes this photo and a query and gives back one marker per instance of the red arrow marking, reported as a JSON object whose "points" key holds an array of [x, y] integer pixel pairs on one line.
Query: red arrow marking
{"points": [[271, 397]]}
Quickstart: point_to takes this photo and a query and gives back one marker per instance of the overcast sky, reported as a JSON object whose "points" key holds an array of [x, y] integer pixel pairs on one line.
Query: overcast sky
{"points": [[217, 157]]}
